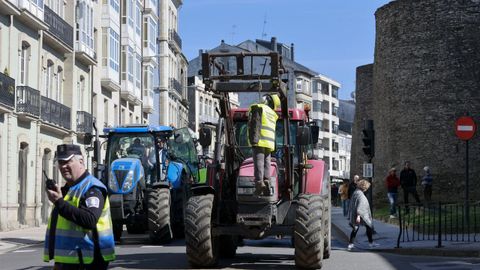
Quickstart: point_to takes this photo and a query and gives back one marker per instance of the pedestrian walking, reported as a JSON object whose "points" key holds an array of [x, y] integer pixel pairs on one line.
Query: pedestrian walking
{"points": [[360, 214], [262, 120], [334, 194], [343, 192], [79, 233], [392, 182], [408, 181], [427, 181]]}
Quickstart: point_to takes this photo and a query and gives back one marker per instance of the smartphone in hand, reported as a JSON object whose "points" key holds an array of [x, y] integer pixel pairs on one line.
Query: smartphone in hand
{"points": [[49, 183]]}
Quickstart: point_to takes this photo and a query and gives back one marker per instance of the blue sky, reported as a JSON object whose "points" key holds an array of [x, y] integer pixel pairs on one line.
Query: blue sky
{"points": [[332, 37]]}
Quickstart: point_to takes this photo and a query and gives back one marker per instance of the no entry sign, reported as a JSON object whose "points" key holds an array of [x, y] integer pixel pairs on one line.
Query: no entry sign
{"points": [[465, 128]]}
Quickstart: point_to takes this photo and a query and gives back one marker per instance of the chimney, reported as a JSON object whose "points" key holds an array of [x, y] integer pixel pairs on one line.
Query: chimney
{"points": [[292, 51], [273, 44]]}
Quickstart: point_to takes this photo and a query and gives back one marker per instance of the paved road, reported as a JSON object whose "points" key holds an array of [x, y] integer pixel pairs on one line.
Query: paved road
{"points": [[265, 254]]}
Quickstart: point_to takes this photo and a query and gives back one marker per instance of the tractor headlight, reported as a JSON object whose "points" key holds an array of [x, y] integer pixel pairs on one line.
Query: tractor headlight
{"points": [[112, 182], [128, 182], [245, 190]]}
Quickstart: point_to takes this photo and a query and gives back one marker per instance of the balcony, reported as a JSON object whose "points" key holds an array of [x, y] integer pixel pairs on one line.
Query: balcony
{"points": [[175, 41], [85, 54], [31, 14], [177, 86], [7, 91], [60, 33], [148, 101], [28, 101], [9, 7], [55, 113], [84, 122]]}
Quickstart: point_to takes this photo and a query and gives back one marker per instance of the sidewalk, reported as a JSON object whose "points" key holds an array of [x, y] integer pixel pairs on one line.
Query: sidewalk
{"points": [[387, 234], [11, 240]]}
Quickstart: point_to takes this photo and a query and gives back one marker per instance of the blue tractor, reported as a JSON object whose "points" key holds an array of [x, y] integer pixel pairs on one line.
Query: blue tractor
{"points": [[148, 170]]}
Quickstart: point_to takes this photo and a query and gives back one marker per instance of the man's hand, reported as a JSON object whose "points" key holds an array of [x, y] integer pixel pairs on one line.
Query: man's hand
{"points": [[54, 195]]}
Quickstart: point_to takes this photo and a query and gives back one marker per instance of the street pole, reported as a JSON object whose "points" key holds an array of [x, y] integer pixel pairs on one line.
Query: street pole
{"points": [[467, 212]]}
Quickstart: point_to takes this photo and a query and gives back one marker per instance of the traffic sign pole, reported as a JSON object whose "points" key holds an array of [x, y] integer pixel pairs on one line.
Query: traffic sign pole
{"points": [[465, 129]]}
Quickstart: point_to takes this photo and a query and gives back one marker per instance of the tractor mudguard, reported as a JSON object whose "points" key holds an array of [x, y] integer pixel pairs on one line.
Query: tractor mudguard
{"points": [[201, 189], [315, 177], [174, 174]]}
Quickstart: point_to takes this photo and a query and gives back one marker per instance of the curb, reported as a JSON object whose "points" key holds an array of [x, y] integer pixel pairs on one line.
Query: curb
{"points": [[420, 251]]}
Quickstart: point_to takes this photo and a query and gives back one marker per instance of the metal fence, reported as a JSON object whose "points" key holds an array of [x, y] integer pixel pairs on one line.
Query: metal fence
{"points": [[439, 221]]}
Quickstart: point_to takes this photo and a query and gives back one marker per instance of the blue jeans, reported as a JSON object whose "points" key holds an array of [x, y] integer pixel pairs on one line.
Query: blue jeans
{"points": [[392, 199], [345, 204]]}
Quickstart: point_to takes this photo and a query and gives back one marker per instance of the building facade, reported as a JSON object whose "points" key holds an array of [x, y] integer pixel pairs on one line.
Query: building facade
{"points": [[324, 112], [64, 65], [170, 96]]}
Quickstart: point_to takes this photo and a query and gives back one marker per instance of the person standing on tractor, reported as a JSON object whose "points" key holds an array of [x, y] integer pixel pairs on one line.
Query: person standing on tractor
{"points": [[79, 233], [262, 120]]}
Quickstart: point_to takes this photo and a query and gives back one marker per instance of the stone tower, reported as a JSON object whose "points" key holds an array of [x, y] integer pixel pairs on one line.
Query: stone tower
{"points": [[426, 73]]}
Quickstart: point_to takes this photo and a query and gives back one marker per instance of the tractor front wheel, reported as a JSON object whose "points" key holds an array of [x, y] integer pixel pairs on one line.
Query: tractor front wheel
{"points": [[159, 216], [202, 246], [309, 232]]}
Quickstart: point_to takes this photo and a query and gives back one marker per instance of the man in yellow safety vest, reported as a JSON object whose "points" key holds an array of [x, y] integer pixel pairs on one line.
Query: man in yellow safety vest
{"points": [[262, 120], [79, 233]]}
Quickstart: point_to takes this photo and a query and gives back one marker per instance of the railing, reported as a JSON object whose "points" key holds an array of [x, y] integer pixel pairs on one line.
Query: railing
{"points": [[84, 122], [55, 113], [176, 85], [176, 38], [7, 91], [28, 100], [437, 221], [58, 27]]}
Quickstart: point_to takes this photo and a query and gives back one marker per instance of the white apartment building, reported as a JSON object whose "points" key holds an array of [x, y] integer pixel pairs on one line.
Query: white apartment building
{"points": [[64, 64], [170, 97], [325, 113]]}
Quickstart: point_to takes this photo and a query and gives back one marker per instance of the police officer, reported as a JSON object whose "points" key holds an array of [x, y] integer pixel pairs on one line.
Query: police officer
{"points": [[79, 233], [261, 136]]}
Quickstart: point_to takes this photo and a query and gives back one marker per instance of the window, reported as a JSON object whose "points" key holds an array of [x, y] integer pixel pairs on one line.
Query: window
{"points": [[138, 19], [124, 62], [317, 106], [81, 92], [138, 70], [49, 79], [59, 89], [334, 91], [24, 61], [131, 10], [299, 86], [114, 54], [105, 112], [201, 106], [85, 23], [152, 34], [131, 55], [115, 5]]}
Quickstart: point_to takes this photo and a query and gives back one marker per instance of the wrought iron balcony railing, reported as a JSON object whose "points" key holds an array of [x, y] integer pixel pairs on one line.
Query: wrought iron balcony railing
{"points": [[176, 85], [55, 113], [7, 91], [84, 122], [28, 100], [58, 27], [176, 38]]}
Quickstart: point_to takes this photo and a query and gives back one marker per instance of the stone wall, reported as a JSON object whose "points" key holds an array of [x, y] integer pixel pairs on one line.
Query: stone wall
{"points": [[426, 74]]}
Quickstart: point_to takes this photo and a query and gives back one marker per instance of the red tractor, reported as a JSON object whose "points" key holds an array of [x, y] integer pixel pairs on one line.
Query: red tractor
{"points": [[225, 210]]}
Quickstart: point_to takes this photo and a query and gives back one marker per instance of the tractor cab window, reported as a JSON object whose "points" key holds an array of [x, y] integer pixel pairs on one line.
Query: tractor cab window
{"points": [[182, 148], [241, 136], [129, 145]]}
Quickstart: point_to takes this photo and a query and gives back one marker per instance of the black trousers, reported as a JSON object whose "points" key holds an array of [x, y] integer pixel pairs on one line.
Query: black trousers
{"points": [[355, 230], [411, 190]]}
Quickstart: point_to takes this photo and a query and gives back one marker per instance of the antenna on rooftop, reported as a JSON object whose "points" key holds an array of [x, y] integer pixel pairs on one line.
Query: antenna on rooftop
{"points": [[234, 27], [264, 35]]}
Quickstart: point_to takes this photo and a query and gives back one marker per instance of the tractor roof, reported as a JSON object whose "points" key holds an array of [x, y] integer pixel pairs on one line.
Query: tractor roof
{"points": [[137, 129]]}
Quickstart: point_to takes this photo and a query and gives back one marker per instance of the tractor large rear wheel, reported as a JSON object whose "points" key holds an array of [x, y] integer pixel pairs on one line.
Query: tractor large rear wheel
{"points": [[159, 216], [327, 218], [309, 232], [202, 247]]}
